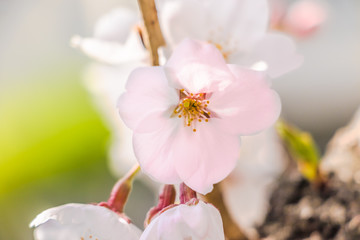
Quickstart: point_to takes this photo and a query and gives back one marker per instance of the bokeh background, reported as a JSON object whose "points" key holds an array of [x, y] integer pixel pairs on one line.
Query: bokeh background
{"points": [[52, 141]]}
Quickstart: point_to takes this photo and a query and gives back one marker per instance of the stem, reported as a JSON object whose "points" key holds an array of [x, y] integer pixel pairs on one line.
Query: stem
{"points": [[153, 37], [186, 193], [231, 229], [166, 198], [122, 189]]}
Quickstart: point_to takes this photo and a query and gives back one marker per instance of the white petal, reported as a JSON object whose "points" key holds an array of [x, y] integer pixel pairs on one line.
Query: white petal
{"points": [[196, 222], [76, 221], [111, 52], [105, 84], [236, 24], [116, 25], [275, 53]]}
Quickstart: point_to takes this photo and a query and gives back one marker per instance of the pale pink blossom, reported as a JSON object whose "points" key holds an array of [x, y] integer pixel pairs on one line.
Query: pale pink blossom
{"points": [[187, 115], [82, 222], [301, 18], [195, 221], [305, 17], [237, 27]]}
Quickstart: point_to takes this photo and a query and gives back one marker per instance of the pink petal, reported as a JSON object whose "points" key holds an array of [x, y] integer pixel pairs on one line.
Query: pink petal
{"points": [[206, 156], [144, 105], [153, 152], [198, 67], [248, 106], [305, 17]]}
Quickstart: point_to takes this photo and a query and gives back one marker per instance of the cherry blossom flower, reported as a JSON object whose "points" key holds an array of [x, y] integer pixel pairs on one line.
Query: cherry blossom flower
{"points": [[196, 221], [187, 115], [82, 222], [237, 27]]}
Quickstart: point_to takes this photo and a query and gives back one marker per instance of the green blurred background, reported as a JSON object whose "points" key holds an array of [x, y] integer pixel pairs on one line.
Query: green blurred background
{"points": [[53, 144]]}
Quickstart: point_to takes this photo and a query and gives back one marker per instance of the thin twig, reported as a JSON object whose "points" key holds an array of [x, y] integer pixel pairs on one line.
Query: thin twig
{"points": [[153, 37]]}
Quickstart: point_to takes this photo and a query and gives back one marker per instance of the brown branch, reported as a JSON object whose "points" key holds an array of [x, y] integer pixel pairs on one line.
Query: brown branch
{"points": [[231, 229], [153, 37]]}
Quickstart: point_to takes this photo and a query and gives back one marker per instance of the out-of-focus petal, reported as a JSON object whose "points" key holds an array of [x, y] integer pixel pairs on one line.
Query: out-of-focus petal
{"points": [[82, 221], [148, 96], [198, 67], [231, 23], [206, 156], [116, 25], [277, 12], [249, 106], [105, 84], [305, 17], [112, 52], [275, 53], [247, 189]]}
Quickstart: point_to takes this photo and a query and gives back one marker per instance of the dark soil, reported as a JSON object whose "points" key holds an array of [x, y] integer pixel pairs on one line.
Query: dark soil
{"points": [[300, 211]]}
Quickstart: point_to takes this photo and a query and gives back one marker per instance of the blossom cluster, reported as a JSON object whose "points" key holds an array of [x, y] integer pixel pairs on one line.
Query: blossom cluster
{"points": [[185, 117]]}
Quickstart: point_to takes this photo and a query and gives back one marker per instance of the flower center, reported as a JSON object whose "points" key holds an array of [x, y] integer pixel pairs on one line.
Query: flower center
{"points": [[193, 108]]}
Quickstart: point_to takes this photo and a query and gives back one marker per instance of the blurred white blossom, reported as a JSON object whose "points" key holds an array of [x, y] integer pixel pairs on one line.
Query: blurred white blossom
{"points": [[195, 221], [237, 27], [82, 222]]}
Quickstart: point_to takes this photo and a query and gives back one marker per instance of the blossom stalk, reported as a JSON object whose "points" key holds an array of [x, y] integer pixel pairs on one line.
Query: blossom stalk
{"points": [[186, 193], [166, 199], [121, 190]]}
